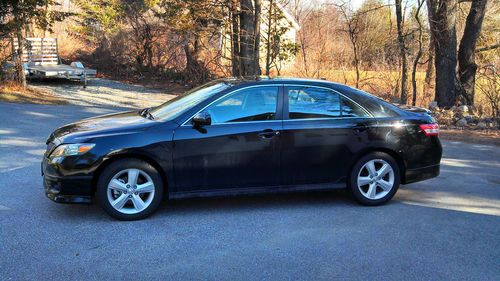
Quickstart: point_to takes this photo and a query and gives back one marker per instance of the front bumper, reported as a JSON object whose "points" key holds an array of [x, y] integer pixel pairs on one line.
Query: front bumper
{"points": [[76, 189], [420, 174]]}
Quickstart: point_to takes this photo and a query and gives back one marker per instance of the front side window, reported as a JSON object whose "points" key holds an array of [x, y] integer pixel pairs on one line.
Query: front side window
{"points": [[182, 103], [251, 104], [309, 102]]}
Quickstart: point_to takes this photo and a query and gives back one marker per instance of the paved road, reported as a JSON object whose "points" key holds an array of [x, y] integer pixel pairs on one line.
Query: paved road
{"points": [[447, 228]]}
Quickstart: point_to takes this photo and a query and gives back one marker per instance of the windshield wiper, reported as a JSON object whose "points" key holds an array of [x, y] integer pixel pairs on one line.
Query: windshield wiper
{"points": [[147, 114]]}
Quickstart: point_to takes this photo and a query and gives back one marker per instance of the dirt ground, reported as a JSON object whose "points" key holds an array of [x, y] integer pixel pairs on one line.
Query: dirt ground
{"points": [[105, 92], [471, 136]]}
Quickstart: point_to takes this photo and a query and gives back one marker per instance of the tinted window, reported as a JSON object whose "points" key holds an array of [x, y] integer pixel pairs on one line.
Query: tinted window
{"points": [[306, 102], [351, 109], [252, 104], [176, 106], [376, 106]]}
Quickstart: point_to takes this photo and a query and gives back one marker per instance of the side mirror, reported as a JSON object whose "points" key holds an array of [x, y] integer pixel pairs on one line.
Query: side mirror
{"points": [[201, 119]]}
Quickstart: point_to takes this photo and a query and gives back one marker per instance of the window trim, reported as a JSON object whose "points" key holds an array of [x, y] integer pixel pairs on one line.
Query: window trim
{"points": [[278, 110], [286, 106]]}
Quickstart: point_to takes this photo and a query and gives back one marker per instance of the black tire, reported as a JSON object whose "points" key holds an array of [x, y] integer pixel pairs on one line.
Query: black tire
{"points": [[353, 179], [123, 164]]}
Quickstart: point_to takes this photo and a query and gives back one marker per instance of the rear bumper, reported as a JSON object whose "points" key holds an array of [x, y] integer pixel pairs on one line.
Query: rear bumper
{"points": [[420, 174]]}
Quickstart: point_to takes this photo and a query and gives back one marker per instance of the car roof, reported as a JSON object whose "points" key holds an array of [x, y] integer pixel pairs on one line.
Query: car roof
{"points": [[280, 79]]}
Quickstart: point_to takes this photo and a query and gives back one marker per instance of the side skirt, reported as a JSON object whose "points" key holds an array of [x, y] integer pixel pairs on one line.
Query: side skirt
{"points": [[228, 192]]}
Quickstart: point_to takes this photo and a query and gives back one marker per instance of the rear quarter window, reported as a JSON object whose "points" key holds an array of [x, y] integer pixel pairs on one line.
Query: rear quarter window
{"points": [[376, 106]]}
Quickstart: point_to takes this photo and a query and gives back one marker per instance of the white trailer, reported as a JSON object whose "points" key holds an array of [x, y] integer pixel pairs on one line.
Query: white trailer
{"points": [[41, 59]]}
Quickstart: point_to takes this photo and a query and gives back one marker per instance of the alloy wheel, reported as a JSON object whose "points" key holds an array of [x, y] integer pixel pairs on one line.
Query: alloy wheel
{"points": [[375, 179], [131, 191]]}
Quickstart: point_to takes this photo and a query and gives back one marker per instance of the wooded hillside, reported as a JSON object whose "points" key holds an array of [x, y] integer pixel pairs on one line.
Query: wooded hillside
{"points": [[410, 52]]}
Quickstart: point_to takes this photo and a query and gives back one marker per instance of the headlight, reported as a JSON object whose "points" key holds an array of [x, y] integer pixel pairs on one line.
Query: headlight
{"points": [[71, 149]]}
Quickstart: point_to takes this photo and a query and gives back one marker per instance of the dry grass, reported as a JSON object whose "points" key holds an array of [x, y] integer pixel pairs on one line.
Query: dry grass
{"points": [[384, 84], [11, 92]]}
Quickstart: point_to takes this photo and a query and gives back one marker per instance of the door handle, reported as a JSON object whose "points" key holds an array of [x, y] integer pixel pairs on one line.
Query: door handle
{"points": [[268, 133]]}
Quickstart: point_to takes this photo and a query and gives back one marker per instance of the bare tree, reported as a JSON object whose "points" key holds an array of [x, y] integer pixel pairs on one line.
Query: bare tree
{"points": [[419, 52], [402, 51], [245, 38], [442, 19], [466, 53], [352, 28]]}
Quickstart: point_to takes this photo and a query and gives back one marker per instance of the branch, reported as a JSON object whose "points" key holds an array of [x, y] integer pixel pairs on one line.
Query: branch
{"points": [[487, 48]]}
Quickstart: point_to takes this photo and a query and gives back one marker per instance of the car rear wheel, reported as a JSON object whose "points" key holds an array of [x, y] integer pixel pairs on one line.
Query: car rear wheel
{"points": [[130, 189], [374, 179]]}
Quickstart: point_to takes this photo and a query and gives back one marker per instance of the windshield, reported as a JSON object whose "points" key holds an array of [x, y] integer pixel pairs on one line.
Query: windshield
{"points": [[180, 104]]}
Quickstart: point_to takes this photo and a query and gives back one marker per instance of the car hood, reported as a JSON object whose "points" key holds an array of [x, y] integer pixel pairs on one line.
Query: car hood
{"points": [[110, 124]]}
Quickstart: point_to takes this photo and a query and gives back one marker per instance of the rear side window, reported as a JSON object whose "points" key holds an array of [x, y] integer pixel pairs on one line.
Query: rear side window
{"points": [[351, 109], [376, 106], [309, 102]]}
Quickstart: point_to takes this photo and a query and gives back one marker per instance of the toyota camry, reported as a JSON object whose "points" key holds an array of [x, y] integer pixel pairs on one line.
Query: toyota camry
{"points": [[242, 136]]}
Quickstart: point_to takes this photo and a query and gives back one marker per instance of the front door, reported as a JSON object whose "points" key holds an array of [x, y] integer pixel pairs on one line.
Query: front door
{"points": [[241, 147]]}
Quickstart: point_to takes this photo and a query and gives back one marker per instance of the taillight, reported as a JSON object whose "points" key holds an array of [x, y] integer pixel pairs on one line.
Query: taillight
{"points": [[430, 129]]}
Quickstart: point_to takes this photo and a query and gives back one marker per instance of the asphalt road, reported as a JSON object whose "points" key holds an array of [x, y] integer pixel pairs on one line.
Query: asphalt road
{"points": [[446, 228]]}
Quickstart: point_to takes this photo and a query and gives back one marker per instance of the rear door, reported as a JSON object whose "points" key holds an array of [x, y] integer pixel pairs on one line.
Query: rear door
{"points": [[322, 130], [240, 149]]}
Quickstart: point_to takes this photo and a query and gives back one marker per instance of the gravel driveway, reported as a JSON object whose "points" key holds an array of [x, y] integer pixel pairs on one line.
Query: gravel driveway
{"points": [[104, 92], [446, 228]]}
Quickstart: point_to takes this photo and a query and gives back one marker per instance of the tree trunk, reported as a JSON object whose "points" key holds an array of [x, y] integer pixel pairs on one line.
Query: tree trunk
{"points": [[429, 72], [402, 52], [442, 18], [256, 46], [21, 78], [269, 36], [466, 59], [194, 69], [247, 38], [418, 56], [235, 39]]}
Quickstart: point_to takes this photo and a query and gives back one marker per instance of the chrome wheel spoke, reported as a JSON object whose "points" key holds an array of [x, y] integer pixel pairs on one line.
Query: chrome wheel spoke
{"points": [[372, 191], [370, 166], [117, 185], [386, 168], [138, 203], [133, 175], [120, 201], [364, 181], [145, 187], [386, 186]]}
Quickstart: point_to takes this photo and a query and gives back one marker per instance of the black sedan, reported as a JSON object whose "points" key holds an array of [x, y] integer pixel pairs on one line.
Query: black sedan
{"points": [[241, 136]]}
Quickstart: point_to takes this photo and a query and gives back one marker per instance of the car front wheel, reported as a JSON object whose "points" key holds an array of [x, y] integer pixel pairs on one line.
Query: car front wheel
{"points": [[374, 179], [129, 189]]}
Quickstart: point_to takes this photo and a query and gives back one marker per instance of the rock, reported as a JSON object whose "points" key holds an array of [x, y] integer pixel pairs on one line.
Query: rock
{"points": [[433, 106], [462, 122], [448, 114], [481, 125], [464, 108]]}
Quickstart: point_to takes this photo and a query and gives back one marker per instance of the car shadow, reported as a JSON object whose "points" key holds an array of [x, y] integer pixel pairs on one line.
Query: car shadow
{"points": [[227, 204]]}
